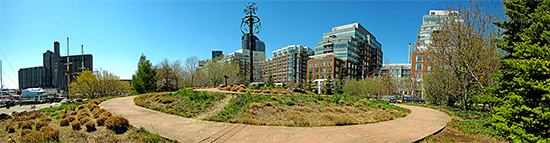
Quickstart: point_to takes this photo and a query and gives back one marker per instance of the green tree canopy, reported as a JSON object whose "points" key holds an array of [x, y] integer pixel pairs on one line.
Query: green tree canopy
{"points": [[524, 72], [145, 79]]}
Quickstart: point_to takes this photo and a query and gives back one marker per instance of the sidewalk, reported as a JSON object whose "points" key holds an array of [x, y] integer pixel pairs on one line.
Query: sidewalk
{"points": [[420, 123], [27, 108]]}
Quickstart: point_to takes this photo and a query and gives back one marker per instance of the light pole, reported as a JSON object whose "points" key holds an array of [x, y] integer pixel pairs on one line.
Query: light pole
{"points": [[252, 22]]}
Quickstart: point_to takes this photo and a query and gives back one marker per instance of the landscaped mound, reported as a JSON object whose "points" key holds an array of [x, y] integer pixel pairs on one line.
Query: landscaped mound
{"points": [[306, 110], [185, 102]]}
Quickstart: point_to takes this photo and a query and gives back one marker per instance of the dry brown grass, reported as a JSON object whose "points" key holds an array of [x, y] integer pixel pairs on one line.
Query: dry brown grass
{"points": [[242, 90], [255, 105], [266, 91], [273, 98], [303, 109]]}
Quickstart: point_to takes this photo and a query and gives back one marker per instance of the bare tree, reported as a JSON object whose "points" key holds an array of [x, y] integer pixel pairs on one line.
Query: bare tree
{"points": [[465, 45], [191, 66], [179, 72]]}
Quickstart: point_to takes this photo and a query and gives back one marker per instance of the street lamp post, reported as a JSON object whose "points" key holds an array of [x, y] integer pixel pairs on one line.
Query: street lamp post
{"points": [[250, 23]]}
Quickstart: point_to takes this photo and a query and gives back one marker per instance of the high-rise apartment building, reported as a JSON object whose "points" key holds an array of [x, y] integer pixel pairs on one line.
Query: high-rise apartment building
{"points": [[216, 54], [418, 58], [288, 65], [53, 72], [242, 56], [350, 48], [396, 70]]}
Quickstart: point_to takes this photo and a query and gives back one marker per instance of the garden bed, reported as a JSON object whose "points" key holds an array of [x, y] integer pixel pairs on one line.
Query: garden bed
{"points": [[186, 103], [78, 122], [306, 110]]}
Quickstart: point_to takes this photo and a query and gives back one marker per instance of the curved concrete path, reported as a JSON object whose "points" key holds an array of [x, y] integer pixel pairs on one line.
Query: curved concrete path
{"points": [[420, 123]]}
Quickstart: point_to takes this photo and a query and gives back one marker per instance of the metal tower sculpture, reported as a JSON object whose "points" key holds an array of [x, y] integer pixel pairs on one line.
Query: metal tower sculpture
{"points": [[250, 24]]}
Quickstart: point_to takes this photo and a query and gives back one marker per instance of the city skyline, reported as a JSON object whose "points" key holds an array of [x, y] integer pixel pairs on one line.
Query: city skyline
{"points": [[121, 31]]}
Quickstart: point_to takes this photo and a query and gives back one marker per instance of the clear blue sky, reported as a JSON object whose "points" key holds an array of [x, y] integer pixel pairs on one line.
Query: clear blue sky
{"points": [[117, 32]]}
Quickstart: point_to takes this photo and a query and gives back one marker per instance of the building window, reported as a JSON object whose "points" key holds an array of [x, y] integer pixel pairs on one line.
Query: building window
{"points": [[419, 58], [329, 62], [322, 76], [316, 64], [418, 75], [419, 66], [322, 63], [311, 64], [322, 69], [316, 70]]}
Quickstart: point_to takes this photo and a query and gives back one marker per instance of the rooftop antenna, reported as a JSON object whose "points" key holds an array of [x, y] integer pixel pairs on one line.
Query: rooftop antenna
{"points": [[82, 65], [68, 72]]}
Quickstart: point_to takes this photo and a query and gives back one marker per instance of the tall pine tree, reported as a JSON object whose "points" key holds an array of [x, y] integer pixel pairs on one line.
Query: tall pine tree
{"points": [[145, 79], [524, 116]]}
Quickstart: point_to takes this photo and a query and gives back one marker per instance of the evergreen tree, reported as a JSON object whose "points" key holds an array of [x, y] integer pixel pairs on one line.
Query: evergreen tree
{"points": [[269, 81], [309, 83], [329, 84], [340, 82], [145, 79], [525, 73]]}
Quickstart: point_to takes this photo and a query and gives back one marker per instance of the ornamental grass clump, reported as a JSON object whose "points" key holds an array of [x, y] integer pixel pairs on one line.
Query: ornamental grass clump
{"points": [[39, 125], [90, 126], [167, 100], [101, 120], [50, 134], [75, 125], [10, 129], [118, 124], [27, 125]]}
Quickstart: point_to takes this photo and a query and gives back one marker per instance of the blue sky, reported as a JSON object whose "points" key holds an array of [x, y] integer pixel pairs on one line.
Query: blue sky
{"points": [[117, 32]]}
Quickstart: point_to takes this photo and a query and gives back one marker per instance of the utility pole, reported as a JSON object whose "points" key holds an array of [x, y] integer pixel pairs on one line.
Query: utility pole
{"points": [[68, 72], [252, 22]]}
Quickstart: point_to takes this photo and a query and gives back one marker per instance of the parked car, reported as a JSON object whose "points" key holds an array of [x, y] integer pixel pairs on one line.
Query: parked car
{"points": [[297, 90]]}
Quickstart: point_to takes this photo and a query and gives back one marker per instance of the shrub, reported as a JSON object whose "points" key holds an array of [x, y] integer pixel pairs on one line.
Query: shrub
{"points": [[167, 100], [233, 88], [83, 114], [90, 126], [10, 129], [290, 103], [50, 134], [83, 120], [64, 122], [242, 90], [97, 112], [107, 113], [46, 119], [255, 106], [71, 118], [25, 132], [40, 125], [75, 124], [118, 124], [101, 120], [27, 125]]}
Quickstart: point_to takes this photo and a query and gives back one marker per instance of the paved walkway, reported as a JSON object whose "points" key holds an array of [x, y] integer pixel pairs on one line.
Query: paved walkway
{"points": [[420, 123], [27, 108]]}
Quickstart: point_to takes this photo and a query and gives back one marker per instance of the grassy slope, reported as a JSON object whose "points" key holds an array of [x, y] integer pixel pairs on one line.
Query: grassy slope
{"points": [[464, 126], [186, 103]]}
